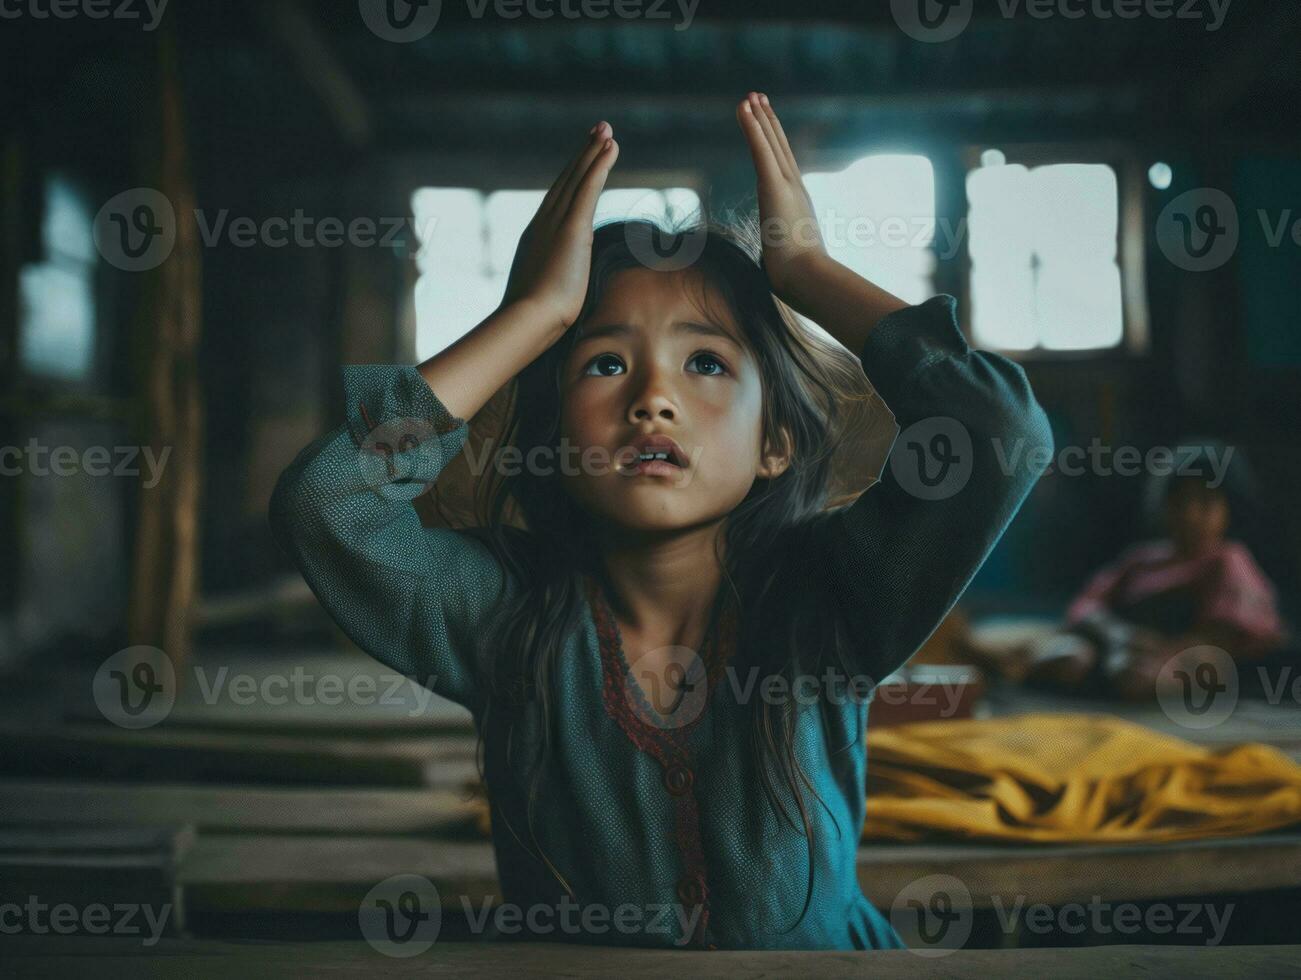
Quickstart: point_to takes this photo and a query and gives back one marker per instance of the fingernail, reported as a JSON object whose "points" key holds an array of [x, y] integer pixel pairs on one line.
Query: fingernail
{"points": [[763, 99]]}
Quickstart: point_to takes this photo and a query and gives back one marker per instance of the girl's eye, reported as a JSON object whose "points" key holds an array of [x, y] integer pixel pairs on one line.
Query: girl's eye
{"points": [[708, 357], [607, 359]]}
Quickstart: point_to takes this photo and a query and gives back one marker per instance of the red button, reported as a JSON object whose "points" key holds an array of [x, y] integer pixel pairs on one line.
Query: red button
{"points": [[691, 890], [678, 779]]}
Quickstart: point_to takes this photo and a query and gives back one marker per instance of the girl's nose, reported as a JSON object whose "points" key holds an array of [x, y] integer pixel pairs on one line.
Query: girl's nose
{"points": [[652, 401]]}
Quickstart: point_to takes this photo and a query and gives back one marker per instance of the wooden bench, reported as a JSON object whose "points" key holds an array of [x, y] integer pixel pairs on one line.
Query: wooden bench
{"points": [[43, 956]]}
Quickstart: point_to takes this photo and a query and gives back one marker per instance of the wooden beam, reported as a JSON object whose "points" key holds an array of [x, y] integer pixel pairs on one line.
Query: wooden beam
{"points": [[165, 556], [296, 30]]}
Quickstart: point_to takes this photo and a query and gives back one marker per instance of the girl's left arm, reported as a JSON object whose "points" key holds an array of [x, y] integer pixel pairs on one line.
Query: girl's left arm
{"points": [[973, 440]]}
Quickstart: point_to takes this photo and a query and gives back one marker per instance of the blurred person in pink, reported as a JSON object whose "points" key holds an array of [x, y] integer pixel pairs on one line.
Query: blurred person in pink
{"points": [[1164, 598]]}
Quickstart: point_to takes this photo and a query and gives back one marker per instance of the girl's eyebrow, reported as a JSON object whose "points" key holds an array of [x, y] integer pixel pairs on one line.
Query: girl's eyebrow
{"points": [[682, 326]]}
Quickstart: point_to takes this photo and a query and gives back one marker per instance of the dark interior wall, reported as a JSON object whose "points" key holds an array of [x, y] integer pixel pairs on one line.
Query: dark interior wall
{"points": [[278, 322]]}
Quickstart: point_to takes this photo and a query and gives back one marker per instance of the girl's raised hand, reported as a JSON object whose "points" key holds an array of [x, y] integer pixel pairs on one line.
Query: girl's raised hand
{"points": [[791, 236], [554, 254]]}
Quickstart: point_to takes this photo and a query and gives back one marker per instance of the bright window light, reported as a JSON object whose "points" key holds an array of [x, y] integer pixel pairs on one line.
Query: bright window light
{"points": [[878, 218], [1043, 257], [56, 296], [468, 240]]}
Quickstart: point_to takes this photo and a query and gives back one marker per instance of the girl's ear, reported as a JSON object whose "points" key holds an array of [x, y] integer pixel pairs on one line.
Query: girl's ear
{"points": [[774, 461]]}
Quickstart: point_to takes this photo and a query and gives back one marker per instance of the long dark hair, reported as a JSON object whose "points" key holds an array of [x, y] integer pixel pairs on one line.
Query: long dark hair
{"points": [[808, 383]]}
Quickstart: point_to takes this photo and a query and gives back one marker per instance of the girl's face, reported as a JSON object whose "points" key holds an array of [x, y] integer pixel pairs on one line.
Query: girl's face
{"points": [[649, 361]]}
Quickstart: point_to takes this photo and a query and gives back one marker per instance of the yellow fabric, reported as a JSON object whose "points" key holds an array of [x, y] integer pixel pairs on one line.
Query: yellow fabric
{"points": [[1069, 777]]}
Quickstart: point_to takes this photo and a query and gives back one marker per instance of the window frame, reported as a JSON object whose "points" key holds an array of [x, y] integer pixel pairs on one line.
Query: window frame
{"points": [[1131, 240]]}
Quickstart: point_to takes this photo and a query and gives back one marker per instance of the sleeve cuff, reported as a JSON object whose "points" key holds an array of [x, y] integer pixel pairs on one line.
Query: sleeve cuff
{"points": [[909, 340], [379, 395]]}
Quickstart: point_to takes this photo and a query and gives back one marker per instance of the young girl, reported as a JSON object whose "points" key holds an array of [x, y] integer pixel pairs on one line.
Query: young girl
{"points": [[641, 661]]}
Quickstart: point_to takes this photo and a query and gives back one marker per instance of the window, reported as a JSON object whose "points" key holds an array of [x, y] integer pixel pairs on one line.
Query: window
{"points": [[468, 239], [878, 218], [57, 302], [1045, 261]]}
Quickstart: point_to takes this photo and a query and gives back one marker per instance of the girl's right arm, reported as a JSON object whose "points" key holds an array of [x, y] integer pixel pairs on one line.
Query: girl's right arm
{"points": [[415, 597]]}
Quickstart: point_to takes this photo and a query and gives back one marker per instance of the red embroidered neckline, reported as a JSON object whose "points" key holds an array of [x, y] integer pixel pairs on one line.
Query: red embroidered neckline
{"points": [[667, 745], [620, 688]]}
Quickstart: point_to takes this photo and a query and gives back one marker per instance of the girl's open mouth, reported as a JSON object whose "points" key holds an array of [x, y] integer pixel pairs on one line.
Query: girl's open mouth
{"points": [[656, 466]]}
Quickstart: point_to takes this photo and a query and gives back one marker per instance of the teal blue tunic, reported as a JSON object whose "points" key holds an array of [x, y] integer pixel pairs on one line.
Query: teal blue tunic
{"points": [[664, 826]]}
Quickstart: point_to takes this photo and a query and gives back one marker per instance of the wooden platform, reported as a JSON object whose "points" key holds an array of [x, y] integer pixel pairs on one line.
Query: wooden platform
{"points": [[63, 957], [302, 813]]}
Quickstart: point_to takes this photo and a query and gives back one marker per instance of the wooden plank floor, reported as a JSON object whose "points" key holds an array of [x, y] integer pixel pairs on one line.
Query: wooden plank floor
{"points": [[165, 752], [222, 807], [1252, 719], [304, 811], [70, 956], [280, 873]]}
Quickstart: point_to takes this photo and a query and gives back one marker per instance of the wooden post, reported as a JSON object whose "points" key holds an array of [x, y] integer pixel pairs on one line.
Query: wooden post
{"points": [[166, 554]]}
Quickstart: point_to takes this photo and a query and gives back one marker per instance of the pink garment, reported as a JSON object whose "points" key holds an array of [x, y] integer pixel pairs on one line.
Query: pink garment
{"points": [[1150, 586]]}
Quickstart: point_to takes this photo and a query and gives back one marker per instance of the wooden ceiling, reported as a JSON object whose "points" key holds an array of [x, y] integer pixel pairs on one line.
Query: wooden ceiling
{"points": [[311, 79]]}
